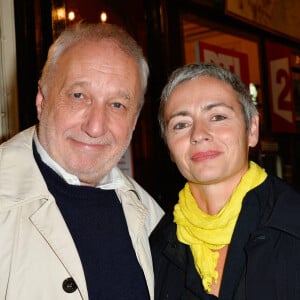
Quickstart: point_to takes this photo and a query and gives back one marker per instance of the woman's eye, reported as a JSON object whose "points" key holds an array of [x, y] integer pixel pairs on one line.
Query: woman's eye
{"points": [[218, 118], [180, 125]]}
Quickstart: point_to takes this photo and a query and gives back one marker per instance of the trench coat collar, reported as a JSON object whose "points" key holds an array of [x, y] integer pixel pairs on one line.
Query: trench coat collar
{"points": [[30, 191], [29, 187]]}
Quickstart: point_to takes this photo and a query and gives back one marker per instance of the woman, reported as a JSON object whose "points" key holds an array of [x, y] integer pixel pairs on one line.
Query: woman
{"points": [[234, 233]]}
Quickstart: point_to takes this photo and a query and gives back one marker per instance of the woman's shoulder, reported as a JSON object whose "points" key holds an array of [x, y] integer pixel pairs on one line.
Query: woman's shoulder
{"points": [[164, 230]]}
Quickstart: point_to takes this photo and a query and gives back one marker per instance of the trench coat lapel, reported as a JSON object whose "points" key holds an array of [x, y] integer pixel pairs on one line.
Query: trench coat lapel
{"points": [[51, 225]]}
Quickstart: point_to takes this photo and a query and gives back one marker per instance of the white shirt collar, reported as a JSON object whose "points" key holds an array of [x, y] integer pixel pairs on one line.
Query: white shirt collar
{"points": [[112, 180]]}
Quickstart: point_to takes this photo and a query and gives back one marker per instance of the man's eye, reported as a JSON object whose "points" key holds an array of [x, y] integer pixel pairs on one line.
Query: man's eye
{"points": [[118, 105], [78, 95]]}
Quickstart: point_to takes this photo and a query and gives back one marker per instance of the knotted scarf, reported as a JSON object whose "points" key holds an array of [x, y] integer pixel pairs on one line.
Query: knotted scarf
{"points": [[205, 234]]}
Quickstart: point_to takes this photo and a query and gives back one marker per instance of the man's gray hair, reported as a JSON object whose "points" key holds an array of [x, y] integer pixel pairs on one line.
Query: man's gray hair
{"points": [[95, 32]]}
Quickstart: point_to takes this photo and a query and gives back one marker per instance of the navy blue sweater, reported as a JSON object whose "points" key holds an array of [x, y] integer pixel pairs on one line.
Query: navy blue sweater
{"points": [[98, 226]]}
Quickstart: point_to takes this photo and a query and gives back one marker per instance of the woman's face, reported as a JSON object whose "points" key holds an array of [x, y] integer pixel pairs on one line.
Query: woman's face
{"points": [[206, 131]]}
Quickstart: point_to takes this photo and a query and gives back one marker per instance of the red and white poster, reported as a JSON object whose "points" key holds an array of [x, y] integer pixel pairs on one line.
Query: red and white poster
{"points": [[236, 62], [280, 88]]}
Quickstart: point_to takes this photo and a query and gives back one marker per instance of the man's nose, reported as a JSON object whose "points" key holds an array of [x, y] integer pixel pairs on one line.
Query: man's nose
{"points": [[94, 123]]}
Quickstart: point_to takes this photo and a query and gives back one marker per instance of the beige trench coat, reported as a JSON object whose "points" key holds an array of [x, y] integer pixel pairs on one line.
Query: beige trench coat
{"points": [[37, 253]]}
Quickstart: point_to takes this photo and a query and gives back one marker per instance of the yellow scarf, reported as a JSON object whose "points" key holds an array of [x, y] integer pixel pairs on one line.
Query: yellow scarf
{"points": [[207, 233]]}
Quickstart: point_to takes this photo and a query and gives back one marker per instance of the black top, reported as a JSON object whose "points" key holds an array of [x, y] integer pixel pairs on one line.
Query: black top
{"points": [[98, 226], [263, 261]]}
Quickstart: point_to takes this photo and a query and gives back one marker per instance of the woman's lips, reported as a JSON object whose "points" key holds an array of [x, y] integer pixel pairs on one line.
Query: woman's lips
{"points": [[201, 156]]}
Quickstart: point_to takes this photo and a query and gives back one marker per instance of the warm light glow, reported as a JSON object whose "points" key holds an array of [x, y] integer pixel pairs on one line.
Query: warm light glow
{"points": [[71, 15], [253, 92], [103, 17], [61, 14]]}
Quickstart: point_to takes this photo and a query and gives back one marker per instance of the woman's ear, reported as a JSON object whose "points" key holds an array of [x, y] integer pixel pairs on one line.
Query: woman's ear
{"points": [[253, 134]]}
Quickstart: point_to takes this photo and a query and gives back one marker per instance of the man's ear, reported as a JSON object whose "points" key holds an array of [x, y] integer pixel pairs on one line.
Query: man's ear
{"points": [[39, 101], [253, 134]]}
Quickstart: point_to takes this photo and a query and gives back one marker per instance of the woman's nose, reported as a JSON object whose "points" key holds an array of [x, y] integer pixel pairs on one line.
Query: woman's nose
{"points": [[200, 133]]}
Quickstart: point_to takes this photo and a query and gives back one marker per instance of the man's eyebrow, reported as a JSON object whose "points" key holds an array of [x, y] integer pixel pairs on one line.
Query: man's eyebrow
{"points": [[81, 83], [124, 95], [76, 84]]}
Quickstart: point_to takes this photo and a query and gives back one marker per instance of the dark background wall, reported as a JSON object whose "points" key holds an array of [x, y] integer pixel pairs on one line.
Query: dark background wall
{"points": [[156, 25]]}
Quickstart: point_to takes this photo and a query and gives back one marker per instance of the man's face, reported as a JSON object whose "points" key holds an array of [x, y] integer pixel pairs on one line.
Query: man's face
{"points": [[90, 109], [206, 131]]}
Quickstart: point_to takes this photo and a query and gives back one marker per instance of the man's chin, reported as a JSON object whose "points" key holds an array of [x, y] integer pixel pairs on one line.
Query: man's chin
{"points": [[92, 176], [88, 179]]}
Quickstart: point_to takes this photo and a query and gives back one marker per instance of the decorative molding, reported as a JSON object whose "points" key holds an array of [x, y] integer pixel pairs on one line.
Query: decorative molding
{"points": [[9, 121]]}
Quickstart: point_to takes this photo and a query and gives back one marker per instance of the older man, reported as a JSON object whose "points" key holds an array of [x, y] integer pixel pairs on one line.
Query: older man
{"points": [[72, 225]]}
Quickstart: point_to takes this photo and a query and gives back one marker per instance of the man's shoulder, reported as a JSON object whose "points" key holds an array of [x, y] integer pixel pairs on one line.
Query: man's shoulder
{"points": [[21, 139], [129, 183], [165, 230], [19, 175], [16, 152], [143, 198]]}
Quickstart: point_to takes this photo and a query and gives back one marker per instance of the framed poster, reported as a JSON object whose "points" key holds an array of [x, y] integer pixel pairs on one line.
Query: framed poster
{"points": [[273, 15], [9, 115], [234, 61], [281, 89]]}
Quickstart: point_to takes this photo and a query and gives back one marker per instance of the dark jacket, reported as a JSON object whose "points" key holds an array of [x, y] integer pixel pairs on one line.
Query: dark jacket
{"points": [[263, 261]]}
